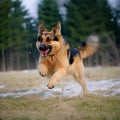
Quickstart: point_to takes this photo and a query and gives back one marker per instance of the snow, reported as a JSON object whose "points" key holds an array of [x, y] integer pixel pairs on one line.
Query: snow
{"points": [[2, 86], [71, 88]]}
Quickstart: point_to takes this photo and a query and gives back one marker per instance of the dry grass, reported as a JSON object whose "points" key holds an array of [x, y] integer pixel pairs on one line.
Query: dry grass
{"points": [[19, 80], [16, 81], [102, 73], [32, 107], [24, 80]]}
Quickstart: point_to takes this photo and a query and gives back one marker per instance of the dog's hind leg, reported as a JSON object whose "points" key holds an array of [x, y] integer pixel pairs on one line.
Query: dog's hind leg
{"points": [[80, 80], [55, 77]]}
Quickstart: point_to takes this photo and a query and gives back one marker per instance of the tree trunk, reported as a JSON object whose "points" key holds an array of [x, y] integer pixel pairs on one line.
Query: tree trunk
{"points": [[97, 59], [11, 60], [27, 60], [3, 60], [18, 60]]}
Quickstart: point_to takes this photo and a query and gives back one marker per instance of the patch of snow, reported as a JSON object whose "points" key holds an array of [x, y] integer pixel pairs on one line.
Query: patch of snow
{"points": [[105, 86], [2, 86], [29, 71], [72, 88]]}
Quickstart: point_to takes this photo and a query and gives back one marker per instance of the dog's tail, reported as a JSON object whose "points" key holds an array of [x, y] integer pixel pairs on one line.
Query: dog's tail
{"points": [[89, 46]]}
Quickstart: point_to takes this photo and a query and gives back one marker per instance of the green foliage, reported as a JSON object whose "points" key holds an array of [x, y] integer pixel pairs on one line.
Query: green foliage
{"points": [[17, 30], [48, 12], [16, 25], [12, 23], [5, 8], [85, 17]]}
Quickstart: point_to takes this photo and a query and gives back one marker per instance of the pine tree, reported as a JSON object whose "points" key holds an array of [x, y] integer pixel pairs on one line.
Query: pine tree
{"points": [[116, 21], [31, 51], [48, 12], [17, 34], [13, 34], [85, 17], [5, 9]]}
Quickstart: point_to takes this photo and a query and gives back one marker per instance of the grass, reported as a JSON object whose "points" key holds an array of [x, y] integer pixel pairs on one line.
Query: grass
{"points": [[24, 80], [32, 107], [19, 80], [104, 73]]}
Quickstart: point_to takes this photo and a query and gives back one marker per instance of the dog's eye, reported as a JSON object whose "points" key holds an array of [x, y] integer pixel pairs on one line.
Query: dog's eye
{"points": [[48, 39], [55, 38], [40, 39]]}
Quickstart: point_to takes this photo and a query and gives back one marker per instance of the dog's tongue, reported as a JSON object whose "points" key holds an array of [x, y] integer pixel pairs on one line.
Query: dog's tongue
{"points": [[45, 52]]}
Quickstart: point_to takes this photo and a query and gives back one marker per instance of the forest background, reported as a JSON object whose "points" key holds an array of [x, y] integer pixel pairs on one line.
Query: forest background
{"points": [[18, 30]]}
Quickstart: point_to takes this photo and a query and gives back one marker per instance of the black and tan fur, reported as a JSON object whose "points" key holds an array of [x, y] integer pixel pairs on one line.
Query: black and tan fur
{"points": [[57, 59]]}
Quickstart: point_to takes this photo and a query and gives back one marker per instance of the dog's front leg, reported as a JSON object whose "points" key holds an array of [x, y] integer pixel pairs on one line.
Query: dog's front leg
{"points": [[55, 77], [42, 69]]}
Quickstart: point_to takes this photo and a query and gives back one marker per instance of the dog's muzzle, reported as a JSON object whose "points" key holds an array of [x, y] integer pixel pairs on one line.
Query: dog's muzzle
{"points": [[45, 50]]}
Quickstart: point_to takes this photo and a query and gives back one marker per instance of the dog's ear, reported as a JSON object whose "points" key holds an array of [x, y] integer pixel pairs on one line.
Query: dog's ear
{"points": [[57, 29], [41, 28]]}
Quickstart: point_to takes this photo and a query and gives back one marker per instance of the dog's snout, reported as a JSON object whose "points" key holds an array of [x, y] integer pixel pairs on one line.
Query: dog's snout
{"points": [[42, 47]]}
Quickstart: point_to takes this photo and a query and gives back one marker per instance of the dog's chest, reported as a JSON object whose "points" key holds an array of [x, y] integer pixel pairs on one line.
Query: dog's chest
{"points": [[55, 62]]}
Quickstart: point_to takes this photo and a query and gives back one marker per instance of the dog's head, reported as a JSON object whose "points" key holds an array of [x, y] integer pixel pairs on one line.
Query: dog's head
{"points": [[49, 43]]}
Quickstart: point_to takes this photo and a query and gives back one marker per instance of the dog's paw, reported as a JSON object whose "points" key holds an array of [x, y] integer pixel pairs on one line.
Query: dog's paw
{"points": [[50, 86], [43, 72]]}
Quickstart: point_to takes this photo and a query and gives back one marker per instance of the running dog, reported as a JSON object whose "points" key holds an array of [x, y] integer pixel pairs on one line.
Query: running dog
{"points": [[57, 59]]}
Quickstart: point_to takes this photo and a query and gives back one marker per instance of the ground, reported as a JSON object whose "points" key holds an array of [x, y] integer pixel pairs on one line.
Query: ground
{"points": [[24, 96]]}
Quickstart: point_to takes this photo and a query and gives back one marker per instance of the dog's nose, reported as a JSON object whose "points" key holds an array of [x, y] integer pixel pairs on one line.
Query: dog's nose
{"points": [[42, 47]]}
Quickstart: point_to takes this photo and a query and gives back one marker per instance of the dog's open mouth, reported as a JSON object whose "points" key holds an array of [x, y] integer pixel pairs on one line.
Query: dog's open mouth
{"points": [[44, 53]]}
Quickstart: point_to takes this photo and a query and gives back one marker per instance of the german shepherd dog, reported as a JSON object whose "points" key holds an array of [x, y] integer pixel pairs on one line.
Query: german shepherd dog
{"points": [[57, 59]]}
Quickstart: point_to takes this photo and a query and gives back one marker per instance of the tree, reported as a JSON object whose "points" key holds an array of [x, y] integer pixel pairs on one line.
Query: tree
{"points": [[48, 12], [109, 49], [85, 17], [31, 51], [5, 9], [17, 34], [16, 29], [83, 20], [116, 20]]}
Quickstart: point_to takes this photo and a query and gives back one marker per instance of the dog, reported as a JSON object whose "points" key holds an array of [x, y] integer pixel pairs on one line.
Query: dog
{"points": [[57, 59]]}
